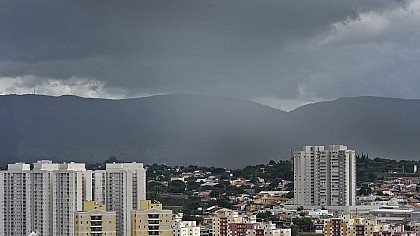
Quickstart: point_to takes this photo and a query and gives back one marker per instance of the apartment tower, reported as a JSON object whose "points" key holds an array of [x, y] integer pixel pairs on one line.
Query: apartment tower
{"points": [[324, 177], [68, 193], [125, 186], [45, 199], [15, 200], [42, 199]]}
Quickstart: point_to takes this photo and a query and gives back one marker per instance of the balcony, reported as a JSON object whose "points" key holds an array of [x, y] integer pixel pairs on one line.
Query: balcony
{"points": [[96, 229], [153, 222], [96, 218]]}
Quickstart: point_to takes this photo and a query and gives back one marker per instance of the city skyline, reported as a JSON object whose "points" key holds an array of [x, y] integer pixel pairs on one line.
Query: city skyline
{"points": [[47, 197]]}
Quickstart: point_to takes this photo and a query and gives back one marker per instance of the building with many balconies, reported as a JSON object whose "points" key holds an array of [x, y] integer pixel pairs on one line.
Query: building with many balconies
{"points": [[324, 177]]}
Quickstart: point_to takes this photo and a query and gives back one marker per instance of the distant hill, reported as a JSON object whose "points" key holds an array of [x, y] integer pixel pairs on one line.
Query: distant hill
{"points": [[202, 130]]}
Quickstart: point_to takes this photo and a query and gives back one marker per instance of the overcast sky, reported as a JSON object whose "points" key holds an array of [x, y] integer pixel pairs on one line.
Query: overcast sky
{"points": [[282, 53]]}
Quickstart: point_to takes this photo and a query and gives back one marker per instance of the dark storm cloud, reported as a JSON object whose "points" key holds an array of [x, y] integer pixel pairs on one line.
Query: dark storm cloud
{"points": [[264, 50]]}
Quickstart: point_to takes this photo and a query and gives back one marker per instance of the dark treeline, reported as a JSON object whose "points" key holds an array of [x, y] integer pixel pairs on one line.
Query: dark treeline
{"points": [[372, 170]]}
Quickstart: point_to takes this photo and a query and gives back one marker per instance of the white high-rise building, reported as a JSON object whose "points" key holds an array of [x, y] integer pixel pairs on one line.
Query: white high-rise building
{"points": [[15, 200], [324, 177], [125, 186], [68, 193], [98, 178], [42, 201], [46, 198]]}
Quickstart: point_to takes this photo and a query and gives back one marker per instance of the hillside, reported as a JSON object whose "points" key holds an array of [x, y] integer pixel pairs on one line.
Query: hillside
{"points": [[203, 130]]}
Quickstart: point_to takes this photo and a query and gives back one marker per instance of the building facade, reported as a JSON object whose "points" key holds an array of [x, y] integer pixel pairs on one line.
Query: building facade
{"points": [[45, 199], [125, 188], [68, 193], [15, 199], [151, 219], [347, 225], [221, 221], [94, 220], [185, 228], [324, 177], [42, 202]]}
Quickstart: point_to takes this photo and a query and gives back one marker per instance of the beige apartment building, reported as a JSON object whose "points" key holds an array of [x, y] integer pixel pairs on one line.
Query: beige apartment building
{"points": [[151, 219], [348, 225], [94, 220], [221, 221]]}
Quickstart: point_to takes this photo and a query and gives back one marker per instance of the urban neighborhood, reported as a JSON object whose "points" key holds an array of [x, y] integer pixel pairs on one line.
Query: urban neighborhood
{"points": [[315, 193]]}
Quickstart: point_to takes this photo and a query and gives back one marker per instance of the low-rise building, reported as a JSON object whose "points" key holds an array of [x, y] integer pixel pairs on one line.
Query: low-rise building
{"points": [[222, 219], [347, 225], [94, 220], [151, 219], [186, 228]]}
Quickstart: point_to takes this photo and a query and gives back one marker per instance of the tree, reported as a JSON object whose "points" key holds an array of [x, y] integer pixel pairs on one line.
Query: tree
{"points": [[192, 185], [156, 187], [221, 202], [113, 159], [294, 230], [176, 186], [303, 223], [265, 216], [191, 206], [365, 190], [198, 219], [290, 194], [289, 187]]}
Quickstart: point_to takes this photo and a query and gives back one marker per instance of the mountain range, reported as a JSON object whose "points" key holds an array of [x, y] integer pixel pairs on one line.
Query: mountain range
{"points": [[200, 130]]}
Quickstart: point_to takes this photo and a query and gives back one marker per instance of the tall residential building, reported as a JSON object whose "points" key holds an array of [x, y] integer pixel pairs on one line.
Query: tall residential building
{"points": [[42, 201], [98, 178], [125, 187], [46, 198], [15, 200], [94, 220], [151, 219], [325, 177], [68, 193]]}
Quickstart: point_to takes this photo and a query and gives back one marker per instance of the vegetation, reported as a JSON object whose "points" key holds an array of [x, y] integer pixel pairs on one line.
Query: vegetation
{"points": [[372, 170], [303, 224], [180, 194], [266, 216], [272, 172], [198, 219]]}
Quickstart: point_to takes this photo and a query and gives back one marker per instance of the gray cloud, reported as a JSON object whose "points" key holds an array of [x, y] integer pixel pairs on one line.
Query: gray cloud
{"points": [[281, 53]]}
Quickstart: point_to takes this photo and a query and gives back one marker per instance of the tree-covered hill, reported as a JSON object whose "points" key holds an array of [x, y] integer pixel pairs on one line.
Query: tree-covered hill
{"points": [[200, 130]]}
